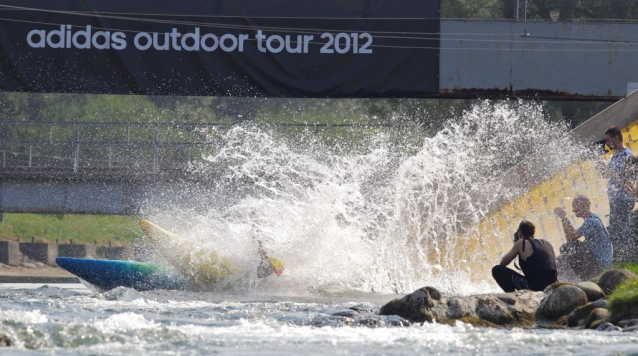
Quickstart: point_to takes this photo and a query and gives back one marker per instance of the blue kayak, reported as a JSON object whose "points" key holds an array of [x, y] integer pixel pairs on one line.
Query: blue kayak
{"points": [[109, 274]]}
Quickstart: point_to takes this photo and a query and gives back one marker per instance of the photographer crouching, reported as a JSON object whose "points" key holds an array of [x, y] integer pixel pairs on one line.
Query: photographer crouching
{"points": [[535, 257]]}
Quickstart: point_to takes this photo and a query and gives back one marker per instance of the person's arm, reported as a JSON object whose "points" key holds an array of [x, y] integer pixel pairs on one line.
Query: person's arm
{"points": [[571, 234], [511, 254]]}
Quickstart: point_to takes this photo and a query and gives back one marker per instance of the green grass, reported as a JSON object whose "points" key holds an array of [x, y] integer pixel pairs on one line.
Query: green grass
{"points": [[119, 230], [627, 265], [626, 295]]}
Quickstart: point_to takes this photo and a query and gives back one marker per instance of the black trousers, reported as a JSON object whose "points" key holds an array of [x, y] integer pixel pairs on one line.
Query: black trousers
{"points": [[511, 281]]}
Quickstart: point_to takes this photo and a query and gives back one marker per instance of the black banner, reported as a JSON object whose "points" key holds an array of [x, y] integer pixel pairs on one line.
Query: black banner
{"points": [[278, 48]]}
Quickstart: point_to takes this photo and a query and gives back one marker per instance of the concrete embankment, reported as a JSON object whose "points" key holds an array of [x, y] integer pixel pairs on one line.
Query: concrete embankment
{"points": [[34, 262]]}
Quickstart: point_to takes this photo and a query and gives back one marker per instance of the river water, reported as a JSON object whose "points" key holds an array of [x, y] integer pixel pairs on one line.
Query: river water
{"points": [[355, 227], [62, 321]]}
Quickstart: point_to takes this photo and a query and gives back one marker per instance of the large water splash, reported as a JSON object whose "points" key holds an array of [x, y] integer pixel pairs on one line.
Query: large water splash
{"points": [[389, 218]]}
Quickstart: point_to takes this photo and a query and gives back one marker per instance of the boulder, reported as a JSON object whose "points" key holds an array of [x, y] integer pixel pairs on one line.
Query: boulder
{"points": [[414, 307], [5, 340], [592, 290], [631, 329], [597, 314], [580, 314], [603, 326], [628, 323], [511, 309], [612, 279], [561, 301]]}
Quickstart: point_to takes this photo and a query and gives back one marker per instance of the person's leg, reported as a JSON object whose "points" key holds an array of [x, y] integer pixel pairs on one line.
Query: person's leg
{"points": [[620, 229], [626, 207], [509, 280], [615, 212], [541, 280], [581, 261]]}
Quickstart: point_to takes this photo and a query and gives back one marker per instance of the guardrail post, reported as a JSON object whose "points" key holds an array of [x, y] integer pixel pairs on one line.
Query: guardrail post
{"points": [[50, 133], [155, 151], [4, 158], [30, 151], [110, 157], [77, 133], [76, 159]]}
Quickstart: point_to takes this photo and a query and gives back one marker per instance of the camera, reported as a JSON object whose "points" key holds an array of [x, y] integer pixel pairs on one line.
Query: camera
{"points": [[600, 146], [515, 237]]}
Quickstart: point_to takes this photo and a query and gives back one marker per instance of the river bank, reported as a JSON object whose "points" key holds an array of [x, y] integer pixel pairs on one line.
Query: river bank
{"points": [[32, 269]]}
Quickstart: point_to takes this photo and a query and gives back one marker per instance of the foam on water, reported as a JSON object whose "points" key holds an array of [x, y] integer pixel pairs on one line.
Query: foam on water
{"points": [[391, 217], [162, 322]]}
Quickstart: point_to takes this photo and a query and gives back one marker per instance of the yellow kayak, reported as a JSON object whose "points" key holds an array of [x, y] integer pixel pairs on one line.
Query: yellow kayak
{"points": [[201, 266]]}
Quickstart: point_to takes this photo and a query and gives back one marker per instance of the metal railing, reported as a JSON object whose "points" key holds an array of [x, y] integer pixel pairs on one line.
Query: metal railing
{"points": [[124, 146]]}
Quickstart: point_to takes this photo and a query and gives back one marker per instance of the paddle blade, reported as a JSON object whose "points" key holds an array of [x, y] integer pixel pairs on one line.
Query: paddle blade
{"points": [[277, 266]]}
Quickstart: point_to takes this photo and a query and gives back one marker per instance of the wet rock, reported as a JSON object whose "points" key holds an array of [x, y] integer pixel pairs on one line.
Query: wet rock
{"points": [[361, 309], [580, 314], [415, 306], [631, 329], [369, 322], [613, 328], [604, 325], [513, 309], [612, 279], [346, 313], [434, 293], [552, 287], [5, 341], [592, 290], [596, 324], [507, 299], [596, 315], [561, 301], [458, 307], [628, 323]]}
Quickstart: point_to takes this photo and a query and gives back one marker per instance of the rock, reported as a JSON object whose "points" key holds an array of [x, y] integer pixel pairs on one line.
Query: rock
{"points": [[346, 313], [604, 325], [596, 324], [580, 314], [628, 323], [596, 315], [631, 329], [361, 309], [512, 309], [552, 287], [5, 340], [612, 279], [592, 290], [434, 293], [561, 301], [613, 328], [458, 308], [414, 306], [507, 298]]}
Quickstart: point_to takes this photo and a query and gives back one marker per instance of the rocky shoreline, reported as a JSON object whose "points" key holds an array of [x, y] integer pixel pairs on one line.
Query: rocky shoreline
{"points": [[581, 305]]}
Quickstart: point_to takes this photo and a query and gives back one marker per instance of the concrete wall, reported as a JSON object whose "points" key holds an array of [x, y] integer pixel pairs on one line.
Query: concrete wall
{"points": [[543, 59]]}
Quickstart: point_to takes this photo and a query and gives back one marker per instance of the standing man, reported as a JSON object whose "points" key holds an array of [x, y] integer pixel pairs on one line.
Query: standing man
{"points": [[594, 255], [536, 258], [621, 203]]}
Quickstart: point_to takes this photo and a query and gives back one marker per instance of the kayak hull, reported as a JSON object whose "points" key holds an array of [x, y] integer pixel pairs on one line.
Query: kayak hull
{"points": [[109, 274]]}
